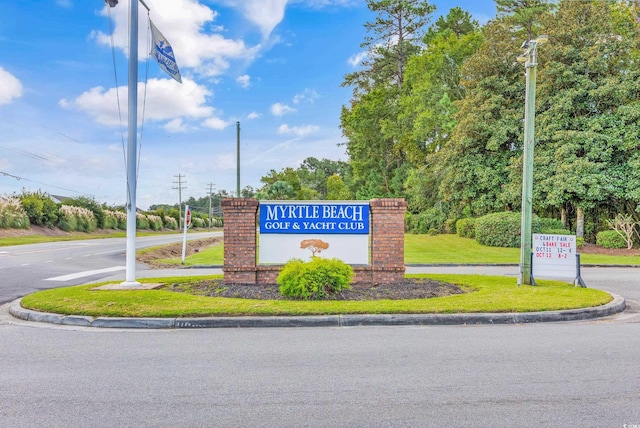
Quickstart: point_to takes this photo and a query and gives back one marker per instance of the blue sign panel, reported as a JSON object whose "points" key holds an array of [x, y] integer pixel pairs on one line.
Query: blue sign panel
{"points": [[310, 217]]}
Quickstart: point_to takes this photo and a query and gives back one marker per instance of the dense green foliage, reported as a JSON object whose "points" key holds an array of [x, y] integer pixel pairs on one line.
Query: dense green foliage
{"points": [[502, 229], [40, 209], [611, 239], [449, 139], [315, 279], [466, 228]]}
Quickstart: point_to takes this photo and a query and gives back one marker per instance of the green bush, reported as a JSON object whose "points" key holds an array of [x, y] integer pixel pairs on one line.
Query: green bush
{"points": [[142, 222], [91, 205], [502, 229], [315, 279], [40, 209], [550, 225], [610, 239], [74, 218], [170, 222], [432, 218], [465, 228]]}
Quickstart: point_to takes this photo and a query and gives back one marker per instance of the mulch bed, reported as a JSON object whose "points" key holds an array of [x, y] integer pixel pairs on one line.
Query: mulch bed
{"points": [[413, 288]]}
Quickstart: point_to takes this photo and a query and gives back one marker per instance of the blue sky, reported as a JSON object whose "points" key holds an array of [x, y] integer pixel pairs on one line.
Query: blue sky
{"points": [[273, 65]]}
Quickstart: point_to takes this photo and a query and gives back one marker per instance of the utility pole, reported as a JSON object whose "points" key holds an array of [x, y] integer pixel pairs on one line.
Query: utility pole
{"points": [[530, 60], [180, 183], [210, 195], [238, 159]]}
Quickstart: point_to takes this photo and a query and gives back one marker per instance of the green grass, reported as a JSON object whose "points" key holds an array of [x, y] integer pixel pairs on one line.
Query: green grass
{"points": [[439, 249], [452, 249], [487, 294], [211, 256]]}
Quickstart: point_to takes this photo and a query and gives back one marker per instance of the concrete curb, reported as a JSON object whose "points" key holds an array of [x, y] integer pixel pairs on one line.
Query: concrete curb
{"points": [[617, 305]]}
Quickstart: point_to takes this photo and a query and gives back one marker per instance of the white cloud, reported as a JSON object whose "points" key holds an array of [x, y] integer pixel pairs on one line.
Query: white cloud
{"points": [[254, 115], [266, 14], [166, 100], [10, 87], [308, 95], [356, 60], [298, 131], [279, 109], [184, 23], [215, 123], [176, 126], [244, 80]]}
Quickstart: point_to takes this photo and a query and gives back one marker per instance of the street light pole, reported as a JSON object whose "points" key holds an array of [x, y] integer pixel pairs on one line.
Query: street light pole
{"points": [[531, 62]]}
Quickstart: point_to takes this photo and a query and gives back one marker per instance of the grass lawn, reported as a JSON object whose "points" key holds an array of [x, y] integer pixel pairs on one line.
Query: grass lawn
{"points": [[439, 249], [486, 294]]}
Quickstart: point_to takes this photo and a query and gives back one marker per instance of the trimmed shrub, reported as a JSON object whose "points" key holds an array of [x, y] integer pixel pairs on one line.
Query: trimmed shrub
{"points": [[502, 229], [466, 228], [12, 215], [315, 279], [610, 239]]}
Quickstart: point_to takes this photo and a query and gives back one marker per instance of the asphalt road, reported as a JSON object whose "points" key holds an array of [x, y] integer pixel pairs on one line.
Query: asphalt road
{"points": [[28, 268], [584, 374]]}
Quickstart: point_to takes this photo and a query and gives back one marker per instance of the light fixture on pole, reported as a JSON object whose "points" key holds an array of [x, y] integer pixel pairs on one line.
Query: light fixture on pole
{"points": [[530, 60]]}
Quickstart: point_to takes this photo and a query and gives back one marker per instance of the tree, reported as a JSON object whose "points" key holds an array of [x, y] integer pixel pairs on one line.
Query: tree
{"points": [[336, 189], [589, 103], [474, 163], [392, 37], [523, 13]]}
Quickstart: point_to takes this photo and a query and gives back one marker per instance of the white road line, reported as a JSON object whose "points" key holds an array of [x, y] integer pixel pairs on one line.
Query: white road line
{"points": [[85, 273]]}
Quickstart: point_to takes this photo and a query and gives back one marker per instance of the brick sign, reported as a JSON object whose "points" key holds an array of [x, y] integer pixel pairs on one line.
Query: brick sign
{"points": [[287, 229], [554, 256]]}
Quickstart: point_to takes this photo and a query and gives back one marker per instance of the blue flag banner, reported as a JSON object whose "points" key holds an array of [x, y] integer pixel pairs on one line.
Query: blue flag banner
{"points": [[163, 54], [314, 218]]}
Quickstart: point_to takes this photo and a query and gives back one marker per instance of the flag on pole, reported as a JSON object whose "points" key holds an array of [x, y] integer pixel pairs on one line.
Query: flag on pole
{"points": [[163, 53]]}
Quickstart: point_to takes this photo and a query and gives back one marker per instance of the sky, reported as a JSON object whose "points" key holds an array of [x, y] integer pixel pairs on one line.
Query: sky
{"points": [[274, 66]]}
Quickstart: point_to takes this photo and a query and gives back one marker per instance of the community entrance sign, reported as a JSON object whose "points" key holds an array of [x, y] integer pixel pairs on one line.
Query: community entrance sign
{"points": [[299, 229]]}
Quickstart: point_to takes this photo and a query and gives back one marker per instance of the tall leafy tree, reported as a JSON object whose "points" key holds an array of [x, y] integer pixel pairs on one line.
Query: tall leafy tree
{"points": [[525, 14], [488, 134], [588, 133], [376, 154], [393, 36]]}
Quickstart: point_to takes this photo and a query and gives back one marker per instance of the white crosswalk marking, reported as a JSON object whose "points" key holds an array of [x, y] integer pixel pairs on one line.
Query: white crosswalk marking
{"points": [[85, 273]]}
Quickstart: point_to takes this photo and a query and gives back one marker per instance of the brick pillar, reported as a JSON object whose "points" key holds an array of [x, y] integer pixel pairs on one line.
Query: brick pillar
{"points": [[387, 240], [239, 240]]}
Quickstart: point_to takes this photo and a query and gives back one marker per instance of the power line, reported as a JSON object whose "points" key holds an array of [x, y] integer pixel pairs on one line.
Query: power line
{"points": [[38, 182]]}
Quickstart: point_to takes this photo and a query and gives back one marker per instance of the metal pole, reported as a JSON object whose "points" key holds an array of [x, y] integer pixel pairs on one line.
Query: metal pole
{"points": [[238, 159], [130, 277], [527, 165]]}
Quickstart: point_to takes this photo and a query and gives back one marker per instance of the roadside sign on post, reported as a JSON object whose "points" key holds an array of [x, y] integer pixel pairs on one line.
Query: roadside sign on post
{"points": [[187, 217], [555, 257]]}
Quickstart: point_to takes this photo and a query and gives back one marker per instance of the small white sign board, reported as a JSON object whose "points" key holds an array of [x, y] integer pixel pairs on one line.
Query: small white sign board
{"points": [[554, 256]]}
